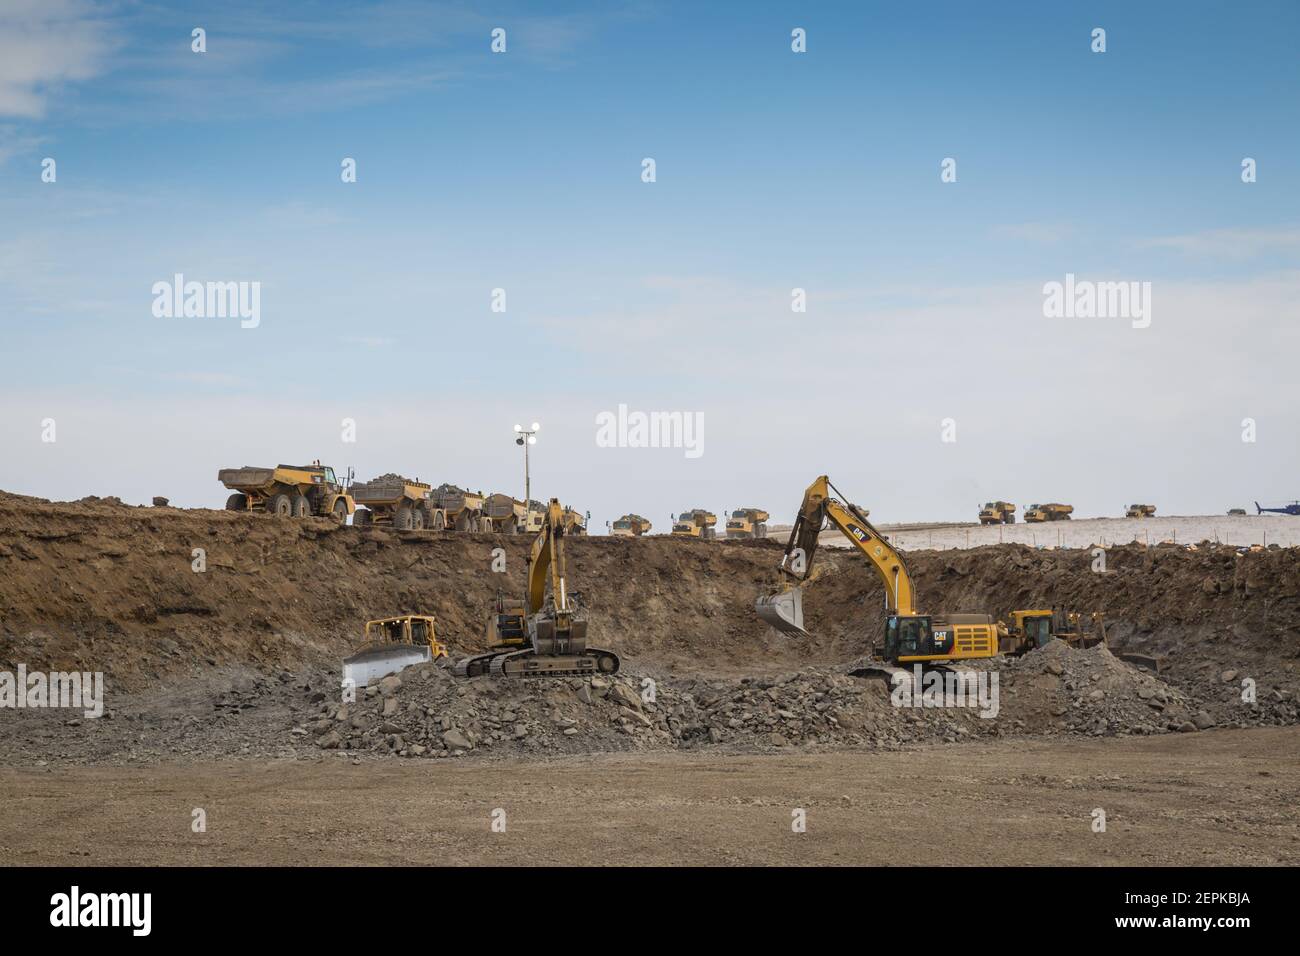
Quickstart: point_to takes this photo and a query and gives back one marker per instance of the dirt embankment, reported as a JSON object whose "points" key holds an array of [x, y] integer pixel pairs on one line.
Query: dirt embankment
{"points": [[105, 587]]}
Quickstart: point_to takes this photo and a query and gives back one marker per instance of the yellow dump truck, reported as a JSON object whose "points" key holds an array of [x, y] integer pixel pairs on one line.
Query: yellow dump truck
{"points": [[630, 526], [1048, 512], [998, 512], [397, 502], [696, 523], [463, 509], [297, 491], [1140, 511], [575, 522], [504, 514], [747, 523]]}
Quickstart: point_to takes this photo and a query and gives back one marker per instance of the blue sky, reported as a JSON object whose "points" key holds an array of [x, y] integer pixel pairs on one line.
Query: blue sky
{"points": [[774, 170]]}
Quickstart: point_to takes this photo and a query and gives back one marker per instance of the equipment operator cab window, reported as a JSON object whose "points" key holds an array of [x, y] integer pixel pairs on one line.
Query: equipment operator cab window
{"points": [[907, 636]]}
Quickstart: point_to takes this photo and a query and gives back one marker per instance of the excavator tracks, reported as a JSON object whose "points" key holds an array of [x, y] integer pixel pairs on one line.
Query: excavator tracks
{"points": [[525, 664]]}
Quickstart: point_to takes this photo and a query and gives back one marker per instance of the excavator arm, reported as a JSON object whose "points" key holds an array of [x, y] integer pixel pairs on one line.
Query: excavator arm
{"points": [[784, 610], [546, 563]]}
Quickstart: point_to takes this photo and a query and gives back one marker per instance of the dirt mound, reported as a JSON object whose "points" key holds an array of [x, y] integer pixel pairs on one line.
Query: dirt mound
{"points": [[1090, 691], [147, 594]]}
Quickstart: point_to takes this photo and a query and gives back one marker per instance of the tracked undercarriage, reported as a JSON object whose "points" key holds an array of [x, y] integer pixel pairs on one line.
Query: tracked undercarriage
{"points": [[546, 636]]}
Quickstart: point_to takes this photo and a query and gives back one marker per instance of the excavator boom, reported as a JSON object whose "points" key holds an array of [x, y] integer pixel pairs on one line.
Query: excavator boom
{"points": [[784, 611], [909, 635]]}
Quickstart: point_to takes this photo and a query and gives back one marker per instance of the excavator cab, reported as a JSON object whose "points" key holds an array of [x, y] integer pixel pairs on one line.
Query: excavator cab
{"points": [[913, 636]]}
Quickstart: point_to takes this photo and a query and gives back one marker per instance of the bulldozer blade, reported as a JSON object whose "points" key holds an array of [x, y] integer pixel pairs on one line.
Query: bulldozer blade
{"points": [[784, 611], [1149, 661], [363, 667]]}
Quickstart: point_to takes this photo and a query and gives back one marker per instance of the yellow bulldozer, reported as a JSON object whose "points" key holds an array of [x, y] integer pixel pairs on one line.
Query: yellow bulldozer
{"points": [[1034, 628], [392, 644], [696, 523], [747, 523], [285, 491]]}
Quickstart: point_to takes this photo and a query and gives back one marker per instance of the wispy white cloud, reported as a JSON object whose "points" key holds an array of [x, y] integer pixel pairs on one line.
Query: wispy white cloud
{"points": [[45, 44], [1236, 243]]}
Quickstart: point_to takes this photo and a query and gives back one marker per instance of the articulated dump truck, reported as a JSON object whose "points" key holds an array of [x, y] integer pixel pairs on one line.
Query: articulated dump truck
{"points": [[1140, 511], [463, 509], [747, 523], [397, 502], [1048, 512], [630, 526], [998, 512], [696, 523], [575, 522], [504, 514], [285, 491]]}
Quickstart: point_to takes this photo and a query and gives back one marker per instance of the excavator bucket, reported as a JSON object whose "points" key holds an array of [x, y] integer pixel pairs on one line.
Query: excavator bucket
{"points": [[784, 611], [374, 662]]}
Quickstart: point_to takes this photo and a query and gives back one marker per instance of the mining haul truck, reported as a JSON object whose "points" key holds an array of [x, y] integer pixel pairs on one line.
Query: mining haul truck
{"points": [[397, 502]]}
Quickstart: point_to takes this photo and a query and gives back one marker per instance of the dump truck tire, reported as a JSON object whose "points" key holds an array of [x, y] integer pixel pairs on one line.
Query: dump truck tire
{"points": [[438, 523], [279, 505], [417, 519], [340, 512], [301, 506], [237, 502], [402, 518], [361, 518]]}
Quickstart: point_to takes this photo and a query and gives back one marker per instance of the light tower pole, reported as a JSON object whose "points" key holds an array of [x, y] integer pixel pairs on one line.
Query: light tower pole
{"points": [[526, 437]]}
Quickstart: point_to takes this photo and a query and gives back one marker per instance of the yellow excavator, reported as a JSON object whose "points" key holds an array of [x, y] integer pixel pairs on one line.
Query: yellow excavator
{"points": [[546, 635], [909, 636]]}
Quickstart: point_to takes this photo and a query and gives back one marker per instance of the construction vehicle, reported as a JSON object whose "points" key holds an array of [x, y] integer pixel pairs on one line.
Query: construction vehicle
{"points": [[1048, 512], [463, 509], [533, 520], [1292, 509], [575, 522], [504, 514], [1140, 511], [396, 502], [747, 523], [696, 523], [909, 635], [546, 634], [392, 644], [998, 512], [630, 526], [1238, 511], [1034, 628], [288, 490]]}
